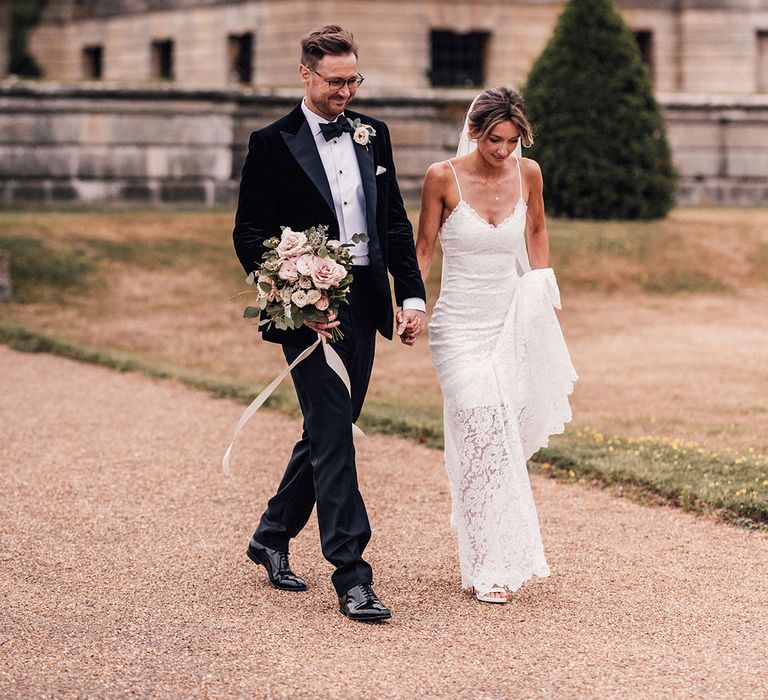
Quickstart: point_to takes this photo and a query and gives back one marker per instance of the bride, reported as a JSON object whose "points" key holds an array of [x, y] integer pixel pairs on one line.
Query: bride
{"points": [[495, 341]]}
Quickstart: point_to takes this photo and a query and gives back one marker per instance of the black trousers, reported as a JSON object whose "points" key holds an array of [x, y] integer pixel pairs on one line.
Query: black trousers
{"points": [[322, 468]]}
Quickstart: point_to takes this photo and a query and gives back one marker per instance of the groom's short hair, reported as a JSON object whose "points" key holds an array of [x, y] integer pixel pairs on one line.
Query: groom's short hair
{"points": [[330, 39]]}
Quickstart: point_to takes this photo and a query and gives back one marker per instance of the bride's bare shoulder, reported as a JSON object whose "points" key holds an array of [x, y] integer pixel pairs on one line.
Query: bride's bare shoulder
{"points": [[529, 166], [530, 169], [438, 173], [439, 169]]}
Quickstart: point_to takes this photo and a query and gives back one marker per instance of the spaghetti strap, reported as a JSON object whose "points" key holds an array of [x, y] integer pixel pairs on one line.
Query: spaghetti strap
{"points": [[519, 176], [456, 177]]}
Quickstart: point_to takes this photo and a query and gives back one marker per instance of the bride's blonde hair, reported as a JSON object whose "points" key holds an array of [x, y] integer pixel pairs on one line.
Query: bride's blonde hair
{"points": [[498, 105]]}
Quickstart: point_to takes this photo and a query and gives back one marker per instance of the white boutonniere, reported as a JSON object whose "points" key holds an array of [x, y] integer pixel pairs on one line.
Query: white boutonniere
{"points": [[363, 133]]}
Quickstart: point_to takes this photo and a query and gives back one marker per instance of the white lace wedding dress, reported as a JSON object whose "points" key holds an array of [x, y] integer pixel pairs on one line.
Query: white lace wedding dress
{"points": [[506, 374]]}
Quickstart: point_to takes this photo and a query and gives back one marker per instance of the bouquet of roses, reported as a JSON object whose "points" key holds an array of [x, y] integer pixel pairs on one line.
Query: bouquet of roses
{"points": [[304, 277]]}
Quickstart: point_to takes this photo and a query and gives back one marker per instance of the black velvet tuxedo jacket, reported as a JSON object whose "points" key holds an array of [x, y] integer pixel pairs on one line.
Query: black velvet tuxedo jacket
{"points": [[284, 184]]}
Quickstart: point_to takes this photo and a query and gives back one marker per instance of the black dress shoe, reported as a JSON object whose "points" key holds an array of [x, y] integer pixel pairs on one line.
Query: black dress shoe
{"points": [[276, 564], [360, 603]]}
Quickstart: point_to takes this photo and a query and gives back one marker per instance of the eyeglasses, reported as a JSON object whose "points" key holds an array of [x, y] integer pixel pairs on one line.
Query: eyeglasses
{"points": [[338, 83]]}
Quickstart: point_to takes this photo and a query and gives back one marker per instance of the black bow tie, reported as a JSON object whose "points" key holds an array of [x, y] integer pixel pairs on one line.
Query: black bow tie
{"points": [[336, 129]]}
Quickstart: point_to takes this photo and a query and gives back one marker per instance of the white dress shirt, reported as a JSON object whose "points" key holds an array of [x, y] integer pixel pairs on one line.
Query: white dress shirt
{"points": [[343, 173]]}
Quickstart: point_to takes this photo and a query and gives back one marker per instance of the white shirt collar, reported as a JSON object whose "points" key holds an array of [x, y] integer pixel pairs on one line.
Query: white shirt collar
{"points": [[314, 120]]}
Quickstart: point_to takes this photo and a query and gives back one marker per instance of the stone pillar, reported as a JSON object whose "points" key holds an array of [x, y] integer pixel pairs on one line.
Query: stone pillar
{"points": [[5, 36], [6, 291]]}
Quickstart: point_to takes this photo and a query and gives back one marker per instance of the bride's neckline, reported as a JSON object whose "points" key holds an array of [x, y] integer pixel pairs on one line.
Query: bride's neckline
{"points": [[482, 220]]}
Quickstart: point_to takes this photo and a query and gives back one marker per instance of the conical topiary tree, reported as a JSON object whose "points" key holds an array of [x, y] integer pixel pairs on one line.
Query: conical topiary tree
{"points": [[600, 135]]}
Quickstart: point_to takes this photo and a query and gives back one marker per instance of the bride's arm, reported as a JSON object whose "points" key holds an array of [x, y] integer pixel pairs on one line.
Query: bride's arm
{"points": [[430, 216], [538, 241]]}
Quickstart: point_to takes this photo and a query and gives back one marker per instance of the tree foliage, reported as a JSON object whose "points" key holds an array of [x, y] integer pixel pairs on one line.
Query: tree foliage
{"points": [[600, 135], [25, 14]]}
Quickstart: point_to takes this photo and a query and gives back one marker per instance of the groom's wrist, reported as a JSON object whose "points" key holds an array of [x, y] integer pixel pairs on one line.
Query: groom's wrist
{"points": [[415, 304]]}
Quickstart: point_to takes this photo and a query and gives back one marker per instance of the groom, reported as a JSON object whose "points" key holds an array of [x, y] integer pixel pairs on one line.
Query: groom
{"points": [[304, 170]]}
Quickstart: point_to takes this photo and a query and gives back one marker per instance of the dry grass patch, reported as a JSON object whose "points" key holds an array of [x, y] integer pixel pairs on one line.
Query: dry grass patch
{"points": [[694, 250]]}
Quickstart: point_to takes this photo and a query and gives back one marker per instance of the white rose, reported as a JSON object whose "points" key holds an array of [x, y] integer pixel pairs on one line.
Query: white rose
{"points": [[285, 294], [305, 282], [333, 243], [304, 264], [362, 135], [292, 244], [288, 271], [299, 298], [313, 296]]}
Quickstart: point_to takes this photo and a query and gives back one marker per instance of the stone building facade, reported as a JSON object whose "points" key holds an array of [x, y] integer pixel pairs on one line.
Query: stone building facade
{"points": [[692, 46]]}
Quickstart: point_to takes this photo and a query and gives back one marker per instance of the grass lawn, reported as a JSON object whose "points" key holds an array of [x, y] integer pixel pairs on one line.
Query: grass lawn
{"points": [[663, 320]]}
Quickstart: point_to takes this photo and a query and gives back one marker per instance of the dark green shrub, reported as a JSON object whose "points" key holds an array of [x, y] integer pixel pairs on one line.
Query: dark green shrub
{"points": [[600, 135], [25, 14]]}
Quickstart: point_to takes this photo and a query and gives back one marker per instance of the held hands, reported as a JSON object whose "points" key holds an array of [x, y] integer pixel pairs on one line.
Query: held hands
{"points": [[322, 325], [409, 325]]}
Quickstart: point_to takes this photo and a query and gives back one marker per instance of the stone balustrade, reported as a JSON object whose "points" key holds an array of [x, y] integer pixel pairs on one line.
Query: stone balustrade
{"points": [[137, 146]]}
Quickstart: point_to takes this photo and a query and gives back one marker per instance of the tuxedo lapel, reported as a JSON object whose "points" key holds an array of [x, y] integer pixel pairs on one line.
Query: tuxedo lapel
{"points": [[368, 176], [302, 145]]}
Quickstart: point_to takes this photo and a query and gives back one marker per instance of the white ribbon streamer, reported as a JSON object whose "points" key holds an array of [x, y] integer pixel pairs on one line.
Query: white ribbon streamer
{"points": [[334, 362]]}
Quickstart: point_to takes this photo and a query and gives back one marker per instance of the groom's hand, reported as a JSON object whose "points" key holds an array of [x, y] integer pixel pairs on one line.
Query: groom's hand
{"points": [[323, 324], [409, 325]]}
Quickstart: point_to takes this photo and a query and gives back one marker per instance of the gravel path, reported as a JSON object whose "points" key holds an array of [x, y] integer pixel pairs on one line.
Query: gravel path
{"points": [[123, 573]]}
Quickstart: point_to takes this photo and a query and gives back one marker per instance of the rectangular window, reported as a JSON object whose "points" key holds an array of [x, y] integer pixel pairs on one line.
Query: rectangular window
{"points": [[162, 59], [644, 39], [241, 57], [762, 60], [93, 62], [458, 60]]}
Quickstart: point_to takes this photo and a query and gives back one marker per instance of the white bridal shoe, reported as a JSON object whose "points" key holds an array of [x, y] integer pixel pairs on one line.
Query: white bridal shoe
{"points": [[488, 596]]}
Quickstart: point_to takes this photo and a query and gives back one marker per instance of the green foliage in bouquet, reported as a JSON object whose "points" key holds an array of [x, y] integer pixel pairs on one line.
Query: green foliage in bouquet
{"points": [[600, 135]]}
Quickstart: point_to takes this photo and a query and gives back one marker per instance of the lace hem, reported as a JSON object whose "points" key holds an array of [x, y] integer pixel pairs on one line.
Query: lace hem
{"points": [[513, 583]]}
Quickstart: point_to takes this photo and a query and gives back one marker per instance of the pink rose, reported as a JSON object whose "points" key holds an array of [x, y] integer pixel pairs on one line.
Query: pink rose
{"points": [[304, 264], [288, 271], [327, 273], [322, 303], [292, 244]]}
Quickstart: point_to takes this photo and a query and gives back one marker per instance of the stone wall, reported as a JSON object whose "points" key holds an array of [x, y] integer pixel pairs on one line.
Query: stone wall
{"points": [[720, 147], [6, 284], [153, 146], [69, 144]]}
